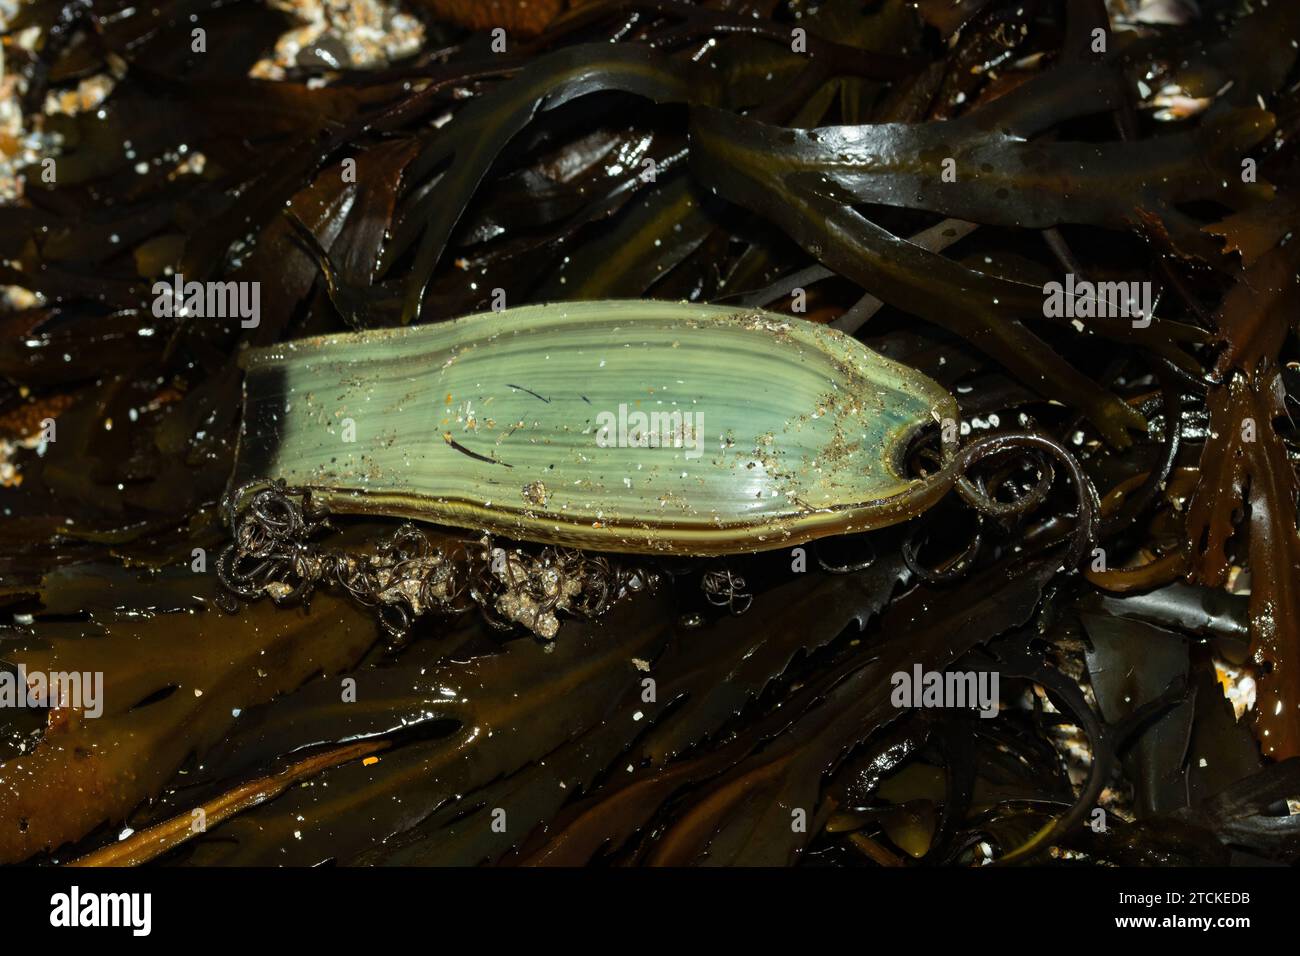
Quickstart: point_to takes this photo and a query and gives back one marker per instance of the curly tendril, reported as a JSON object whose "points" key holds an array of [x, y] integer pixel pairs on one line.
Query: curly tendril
{"points": [[406, 575], [1043, 450]]}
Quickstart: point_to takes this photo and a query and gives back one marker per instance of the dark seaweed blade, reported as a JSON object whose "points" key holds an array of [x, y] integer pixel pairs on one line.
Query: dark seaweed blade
{"points": [[1245, 462], [653, 237], [480, 131], [728, 154], [1261, 308], [751, 658], [508, 710], [690, 706], [1250, 813], [686, 699], [1001, 179], [745, 817], [1222, 750], [169, 691], [744, 813], [1131, 664]]}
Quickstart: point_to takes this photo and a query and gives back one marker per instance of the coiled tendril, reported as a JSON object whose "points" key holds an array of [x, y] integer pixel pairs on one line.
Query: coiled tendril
{"points": [[1012, 450]]}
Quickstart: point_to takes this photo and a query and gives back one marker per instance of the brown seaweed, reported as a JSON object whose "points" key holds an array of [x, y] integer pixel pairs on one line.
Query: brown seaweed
{"points": [[912, 173]]}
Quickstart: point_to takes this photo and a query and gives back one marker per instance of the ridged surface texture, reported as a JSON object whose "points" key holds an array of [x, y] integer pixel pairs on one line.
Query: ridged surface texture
{"points": [[633, 426]]}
